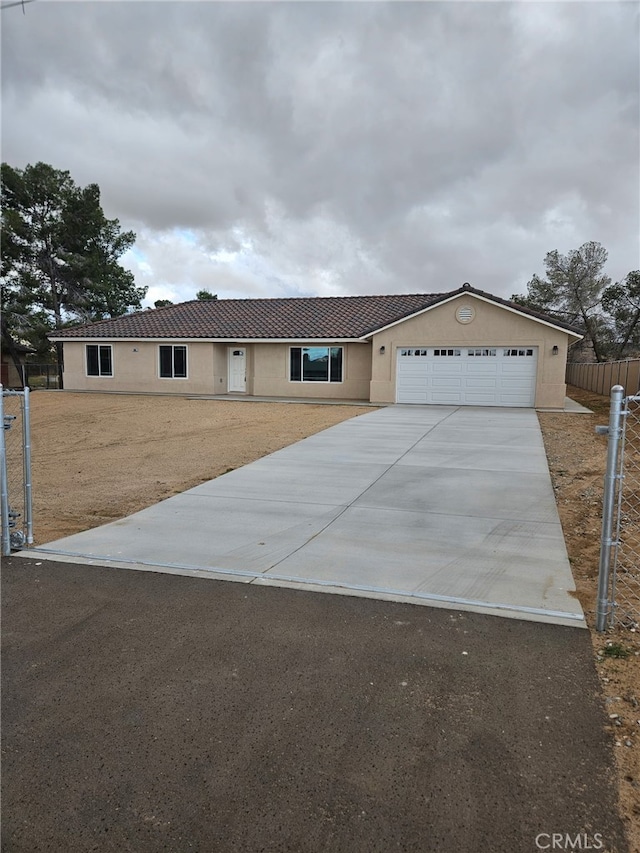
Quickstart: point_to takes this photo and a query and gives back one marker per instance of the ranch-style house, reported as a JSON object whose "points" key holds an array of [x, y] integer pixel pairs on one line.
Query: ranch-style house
{"points": [[463, 347]]}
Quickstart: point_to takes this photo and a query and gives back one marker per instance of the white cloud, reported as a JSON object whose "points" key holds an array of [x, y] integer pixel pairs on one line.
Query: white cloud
{"points": [[281, 148]]}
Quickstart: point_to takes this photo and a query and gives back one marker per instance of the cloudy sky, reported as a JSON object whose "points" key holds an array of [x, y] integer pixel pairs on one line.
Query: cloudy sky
{"points": [[303, 148]]}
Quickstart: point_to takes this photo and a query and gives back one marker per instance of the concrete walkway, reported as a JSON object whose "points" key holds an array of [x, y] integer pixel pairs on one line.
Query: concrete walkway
{"points": [[436, 505]]}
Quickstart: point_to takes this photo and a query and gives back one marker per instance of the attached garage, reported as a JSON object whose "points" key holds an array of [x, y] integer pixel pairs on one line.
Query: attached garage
{"points": [[469, 348], [467, 376]]}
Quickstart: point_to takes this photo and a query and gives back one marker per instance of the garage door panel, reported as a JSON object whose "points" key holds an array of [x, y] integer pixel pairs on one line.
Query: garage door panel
{"points": [[478, 368], [515, 401], [488, 376], [516, 370], [416, 379], [447, 368], [510, 383], [415, 369], [420, 398], [476, 395], [441, 382], [476, 382], [446, 398]]}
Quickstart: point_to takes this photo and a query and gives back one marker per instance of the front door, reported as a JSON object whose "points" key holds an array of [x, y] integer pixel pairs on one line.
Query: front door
{"points": [[237, 369]]}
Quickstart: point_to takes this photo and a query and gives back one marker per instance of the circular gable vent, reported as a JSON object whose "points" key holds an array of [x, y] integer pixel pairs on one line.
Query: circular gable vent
{"points": [[465, 314]]}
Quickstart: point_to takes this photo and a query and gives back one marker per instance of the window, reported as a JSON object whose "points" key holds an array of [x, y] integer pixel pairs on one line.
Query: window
{"points": [[315, 364], [99, 360], [173, 362], [524, 352], [413, 352], [481, 352], [447, 352]]}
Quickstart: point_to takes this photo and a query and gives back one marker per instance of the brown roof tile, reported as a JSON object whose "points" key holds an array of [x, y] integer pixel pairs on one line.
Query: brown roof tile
{"points": [[332, 317], [315, 317]]}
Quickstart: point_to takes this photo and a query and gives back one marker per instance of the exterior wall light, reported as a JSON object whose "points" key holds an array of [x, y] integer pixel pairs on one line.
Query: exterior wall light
{"points": [[554, 349], [382, 350]]}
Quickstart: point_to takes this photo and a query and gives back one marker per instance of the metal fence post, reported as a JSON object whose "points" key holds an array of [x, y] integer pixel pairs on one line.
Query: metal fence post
{"points": [[610, 482], [4, 486], [26, 443]]}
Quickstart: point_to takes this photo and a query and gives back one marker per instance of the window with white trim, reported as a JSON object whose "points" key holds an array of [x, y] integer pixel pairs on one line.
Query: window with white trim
{"points": [[447, 352], [481, 352], [315, 364], [518, 352], [173, 361], [99, 360], [413, 352]]}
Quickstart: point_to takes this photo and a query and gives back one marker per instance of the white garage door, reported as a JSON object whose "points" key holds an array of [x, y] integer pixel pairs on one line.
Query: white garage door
{"points": [[467, 376]]}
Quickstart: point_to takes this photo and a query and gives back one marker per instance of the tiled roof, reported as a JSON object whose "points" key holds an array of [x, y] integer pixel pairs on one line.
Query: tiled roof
{"points": [[315, 317], [332, 317]]}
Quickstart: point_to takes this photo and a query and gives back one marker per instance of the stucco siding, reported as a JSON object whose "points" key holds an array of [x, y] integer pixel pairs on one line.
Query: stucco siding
{"points": [[136, 368], [491, 325], [271, 374], [220, 369]]}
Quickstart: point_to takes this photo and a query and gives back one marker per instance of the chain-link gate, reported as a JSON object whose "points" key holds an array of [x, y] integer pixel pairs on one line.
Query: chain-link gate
{"points": [[15, 471], [619, 579]]}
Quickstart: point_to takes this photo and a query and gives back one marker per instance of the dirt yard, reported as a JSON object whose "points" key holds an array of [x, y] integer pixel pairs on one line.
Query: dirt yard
{"points": [[100, 457], [577, 458]]}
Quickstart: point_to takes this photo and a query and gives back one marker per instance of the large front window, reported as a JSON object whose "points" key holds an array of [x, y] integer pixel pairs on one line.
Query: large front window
{"points": [[99, 360], [173, 362], [316, 364]]}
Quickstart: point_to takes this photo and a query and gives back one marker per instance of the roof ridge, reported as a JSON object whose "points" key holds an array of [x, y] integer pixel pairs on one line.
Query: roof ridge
{"points": [[301, 298]]}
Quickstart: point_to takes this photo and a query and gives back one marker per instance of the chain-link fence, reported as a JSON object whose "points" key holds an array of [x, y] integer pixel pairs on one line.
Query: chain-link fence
{"points": [[619, 579], [15, 471], [626, 567], [41, 376]]}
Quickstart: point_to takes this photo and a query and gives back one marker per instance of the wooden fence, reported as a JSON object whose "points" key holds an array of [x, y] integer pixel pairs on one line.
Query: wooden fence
{"points": [[600, 378]]}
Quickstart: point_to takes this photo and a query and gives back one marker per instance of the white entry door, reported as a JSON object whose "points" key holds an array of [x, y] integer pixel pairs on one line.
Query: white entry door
{"points": [[467, 376], [237, 369]]}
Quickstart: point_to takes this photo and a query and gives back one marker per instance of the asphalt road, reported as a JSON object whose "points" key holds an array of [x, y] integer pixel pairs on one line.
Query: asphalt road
{"points": [[153, 712]]}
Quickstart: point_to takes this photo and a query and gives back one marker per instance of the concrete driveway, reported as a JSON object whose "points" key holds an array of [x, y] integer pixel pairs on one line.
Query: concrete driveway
{"points": [[445, 506]]}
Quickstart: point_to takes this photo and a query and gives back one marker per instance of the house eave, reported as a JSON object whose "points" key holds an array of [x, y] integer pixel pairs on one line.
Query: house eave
{"points": [[186, 340]]}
